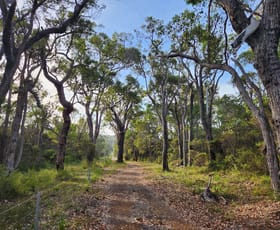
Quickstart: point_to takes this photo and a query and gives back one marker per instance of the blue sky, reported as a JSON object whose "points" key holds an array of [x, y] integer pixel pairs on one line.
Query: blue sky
{"points": [[127, 15]]}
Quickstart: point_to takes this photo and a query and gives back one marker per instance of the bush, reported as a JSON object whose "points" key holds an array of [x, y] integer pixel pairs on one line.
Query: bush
{"points": [[22, 183], [7, 190], [199, 159], [251, 161]]}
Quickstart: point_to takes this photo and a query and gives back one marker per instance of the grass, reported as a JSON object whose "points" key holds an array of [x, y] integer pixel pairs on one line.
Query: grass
{"points": [[235, 186], [58, 191]]}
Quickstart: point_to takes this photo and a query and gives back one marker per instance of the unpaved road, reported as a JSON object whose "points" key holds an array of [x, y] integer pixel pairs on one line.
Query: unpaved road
{"points": [[129, 203], [131, 199]]}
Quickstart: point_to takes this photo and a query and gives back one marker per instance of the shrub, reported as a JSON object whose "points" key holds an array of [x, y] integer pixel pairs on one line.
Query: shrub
{"points": [[251, 161], [22, 183], [199, 159], [7, 189]]}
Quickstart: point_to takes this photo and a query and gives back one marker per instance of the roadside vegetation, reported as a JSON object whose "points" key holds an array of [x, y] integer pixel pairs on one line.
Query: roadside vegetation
{"points": [[235, 186], [58, 193]]}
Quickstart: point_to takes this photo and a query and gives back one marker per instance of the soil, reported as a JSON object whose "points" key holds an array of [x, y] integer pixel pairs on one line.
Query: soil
{"points": [[132, 199]]}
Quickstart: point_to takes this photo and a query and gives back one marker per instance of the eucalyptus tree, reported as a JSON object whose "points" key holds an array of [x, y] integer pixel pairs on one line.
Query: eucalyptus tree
{"points": [[160, 77], [106, 58], [25, 23], [189, 36], [182, 113], [264, 43], [26, 84], [59, 62], [122, 101]]}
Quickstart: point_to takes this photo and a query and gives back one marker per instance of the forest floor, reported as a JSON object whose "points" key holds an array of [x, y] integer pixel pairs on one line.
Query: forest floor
{"points": [[134, 198]]}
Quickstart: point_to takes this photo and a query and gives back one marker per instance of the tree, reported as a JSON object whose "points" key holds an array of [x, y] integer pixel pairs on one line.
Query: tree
{"points": [[182, 111], [24, 27], [145, 135], [106, 57], [160, 78], [64, 68], [122, 101], [188, 35], [264, 44], [26, 84]]}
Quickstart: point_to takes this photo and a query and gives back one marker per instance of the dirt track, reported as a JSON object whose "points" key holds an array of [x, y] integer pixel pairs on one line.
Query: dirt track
{"points": [[132, 199], [129, 203]]}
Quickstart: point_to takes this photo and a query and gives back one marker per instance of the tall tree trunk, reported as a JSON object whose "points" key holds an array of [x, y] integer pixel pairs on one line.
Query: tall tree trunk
{"points": [[89, 121], [180, 135], [185, 144], [62, 141], [120, 142], [4, 130], [185, 152], [25, 86], [268, 63], [67, 109], [165, 145], [22, 139], [191, 125], [180, 122], [91, 150], [93, 131], [205, 116]]}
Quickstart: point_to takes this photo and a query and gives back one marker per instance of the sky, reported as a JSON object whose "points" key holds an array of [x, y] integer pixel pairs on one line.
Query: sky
{"points": [[129, 15]]}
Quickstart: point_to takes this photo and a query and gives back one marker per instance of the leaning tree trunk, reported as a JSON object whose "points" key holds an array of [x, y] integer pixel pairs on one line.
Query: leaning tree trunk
{"points": [[271, 153], [62, 141], [264, 43]]}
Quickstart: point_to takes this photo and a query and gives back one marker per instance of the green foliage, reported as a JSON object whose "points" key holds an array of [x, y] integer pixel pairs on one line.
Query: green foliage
{"points": [[23, 183], [194, 2], [199, 159], [58, 192], [248, 160]]}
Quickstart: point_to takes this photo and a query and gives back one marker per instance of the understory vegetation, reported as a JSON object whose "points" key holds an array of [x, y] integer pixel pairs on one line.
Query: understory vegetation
{"points": [[236, 186], [58, 193]]}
